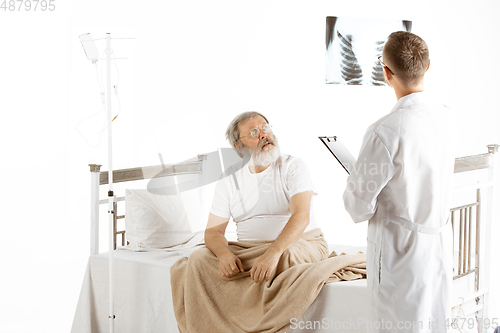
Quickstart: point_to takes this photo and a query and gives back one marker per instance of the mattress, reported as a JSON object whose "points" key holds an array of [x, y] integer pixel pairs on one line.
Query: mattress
{"points": [[143, 296]]}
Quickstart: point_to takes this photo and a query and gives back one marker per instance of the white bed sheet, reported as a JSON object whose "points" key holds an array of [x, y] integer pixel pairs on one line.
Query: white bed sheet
{"points": [[143, 296]]}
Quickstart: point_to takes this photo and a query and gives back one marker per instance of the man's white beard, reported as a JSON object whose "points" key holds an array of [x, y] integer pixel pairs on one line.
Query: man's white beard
{"points": [[264, 156]]}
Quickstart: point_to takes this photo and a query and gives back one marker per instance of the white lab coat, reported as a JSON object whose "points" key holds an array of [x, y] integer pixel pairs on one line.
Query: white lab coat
{"points": [[401, 183]]}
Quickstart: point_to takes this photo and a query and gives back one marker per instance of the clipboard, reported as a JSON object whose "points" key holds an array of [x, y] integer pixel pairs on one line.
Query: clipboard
{"points": [[343, 156]]}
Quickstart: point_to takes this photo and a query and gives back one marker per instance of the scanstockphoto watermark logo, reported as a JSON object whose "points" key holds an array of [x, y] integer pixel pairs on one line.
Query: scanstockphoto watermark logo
{"points": [[362, 324], [225, 162], [368, 177]]}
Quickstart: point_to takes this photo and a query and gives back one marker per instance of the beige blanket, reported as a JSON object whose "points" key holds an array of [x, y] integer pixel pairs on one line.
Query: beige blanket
{"points": [[205, 301]]}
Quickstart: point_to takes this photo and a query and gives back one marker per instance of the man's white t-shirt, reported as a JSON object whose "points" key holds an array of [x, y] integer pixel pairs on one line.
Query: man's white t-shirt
{"points": [[259, 203]]}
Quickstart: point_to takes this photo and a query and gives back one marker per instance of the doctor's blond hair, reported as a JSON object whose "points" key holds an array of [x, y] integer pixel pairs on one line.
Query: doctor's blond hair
{"points": [[407, 55], [233, 130]]}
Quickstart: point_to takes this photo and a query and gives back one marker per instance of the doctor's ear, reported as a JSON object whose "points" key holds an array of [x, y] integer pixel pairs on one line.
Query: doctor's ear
{"points": [[387, 72], [387, 76], [429, 65]]}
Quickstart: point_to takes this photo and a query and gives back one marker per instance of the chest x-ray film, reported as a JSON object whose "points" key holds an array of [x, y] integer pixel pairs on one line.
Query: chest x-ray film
{"points": [[343, 156], [353, 46]]}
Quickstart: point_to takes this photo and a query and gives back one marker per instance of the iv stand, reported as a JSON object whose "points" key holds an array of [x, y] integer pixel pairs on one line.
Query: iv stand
{"points": [[111, 195]]}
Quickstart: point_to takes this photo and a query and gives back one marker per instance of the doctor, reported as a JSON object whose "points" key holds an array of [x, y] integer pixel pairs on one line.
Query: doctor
{"points": [[401, 183]]}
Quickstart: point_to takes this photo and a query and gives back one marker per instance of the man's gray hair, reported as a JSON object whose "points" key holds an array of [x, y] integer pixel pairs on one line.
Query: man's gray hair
{"points": [[233, 130]]}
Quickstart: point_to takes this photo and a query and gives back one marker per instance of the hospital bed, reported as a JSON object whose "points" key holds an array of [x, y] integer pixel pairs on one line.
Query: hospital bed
{"points": [[142, 291]]}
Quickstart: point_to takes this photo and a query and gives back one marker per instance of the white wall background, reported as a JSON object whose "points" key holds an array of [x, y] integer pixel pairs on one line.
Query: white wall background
{"points": [[193, 66]]}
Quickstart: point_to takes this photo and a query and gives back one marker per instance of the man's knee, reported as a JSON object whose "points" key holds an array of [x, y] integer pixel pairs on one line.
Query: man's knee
{"points": [[201, 255], [305, 252]]}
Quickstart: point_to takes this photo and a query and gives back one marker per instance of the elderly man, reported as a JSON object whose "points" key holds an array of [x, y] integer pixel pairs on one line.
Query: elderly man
{"points": [[280, 262], [269, 198]]}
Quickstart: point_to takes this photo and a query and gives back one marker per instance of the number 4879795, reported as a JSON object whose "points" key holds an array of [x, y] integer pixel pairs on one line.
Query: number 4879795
{"points": [[28, 5]]}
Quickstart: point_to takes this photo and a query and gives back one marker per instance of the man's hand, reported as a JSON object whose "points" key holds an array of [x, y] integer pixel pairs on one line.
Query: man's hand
{"points": [[230, 265], [264, 266]]}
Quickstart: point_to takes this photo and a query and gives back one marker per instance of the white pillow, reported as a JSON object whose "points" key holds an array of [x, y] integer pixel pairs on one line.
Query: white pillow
{"points": [[155, 221]]}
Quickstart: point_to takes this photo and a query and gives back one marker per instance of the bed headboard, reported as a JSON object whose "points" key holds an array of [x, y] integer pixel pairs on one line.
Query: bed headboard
{"points": [[125, 175]]}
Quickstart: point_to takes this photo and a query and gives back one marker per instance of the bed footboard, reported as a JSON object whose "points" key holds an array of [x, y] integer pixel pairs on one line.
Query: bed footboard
{"points": [[472, 225]]}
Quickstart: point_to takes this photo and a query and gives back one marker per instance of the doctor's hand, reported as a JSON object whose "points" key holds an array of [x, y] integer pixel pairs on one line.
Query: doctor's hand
{"points": [[264, 266], [230, 265]]}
